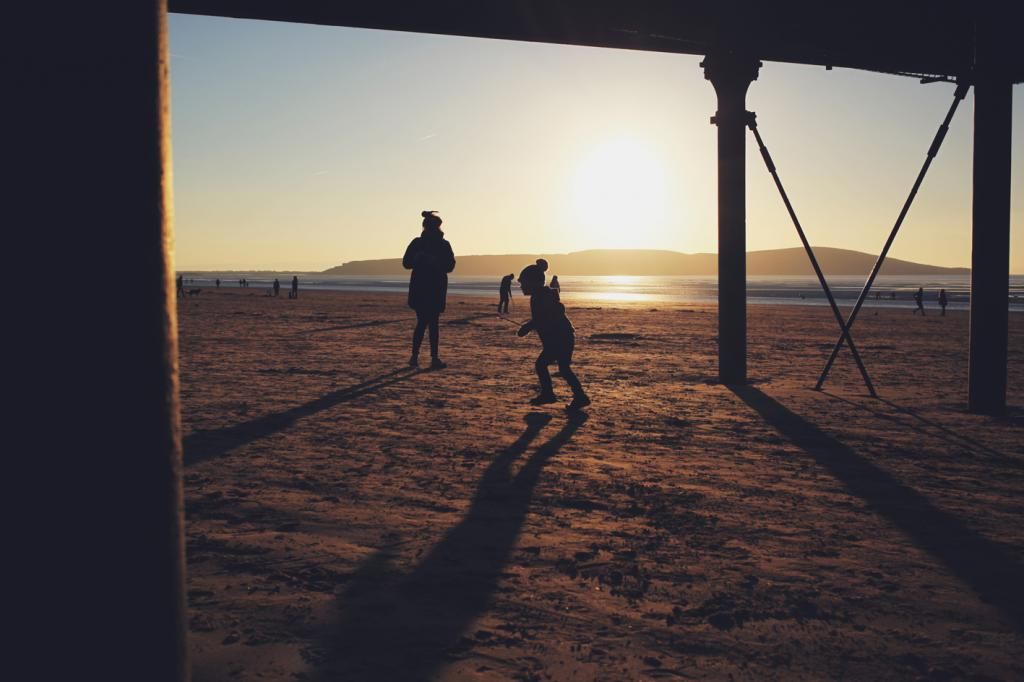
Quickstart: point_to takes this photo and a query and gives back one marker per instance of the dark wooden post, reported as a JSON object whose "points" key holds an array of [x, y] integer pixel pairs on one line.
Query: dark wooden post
{"points": [[731, 74], [94, 376], [990, 250]]}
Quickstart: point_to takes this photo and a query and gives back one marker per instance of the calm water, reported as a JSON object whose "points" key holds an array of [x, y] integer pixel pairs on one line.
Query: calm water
{"points": [[657, 289]]}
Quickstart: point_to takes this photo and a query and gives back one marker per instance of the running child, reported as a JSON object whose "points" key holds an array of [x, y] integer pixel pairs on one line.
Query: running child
{"points": [[557, 336]]}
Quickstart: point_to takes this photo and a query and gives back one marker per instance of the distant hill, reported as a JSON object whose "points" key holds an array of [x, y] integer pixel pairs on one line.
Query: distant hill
{"points": [[790, 262]]}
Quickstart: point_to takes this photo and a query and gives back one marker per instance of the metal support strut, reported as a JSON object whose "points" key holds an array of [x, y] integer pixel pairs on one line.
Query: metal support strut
{"points": [[752, 124], [845, 325], [940, 135]]}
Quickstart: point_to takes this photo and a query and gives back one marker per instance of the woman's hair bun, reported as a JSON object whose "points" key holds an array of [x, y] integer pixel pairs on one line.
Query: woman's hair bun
{"points": [[542, 264], [427, 214]]}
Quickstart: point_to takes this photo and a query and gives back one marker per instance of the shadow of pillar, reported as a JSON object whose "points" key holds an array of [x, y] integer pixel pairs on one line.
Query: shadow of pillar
{"points": [[986, 566]]}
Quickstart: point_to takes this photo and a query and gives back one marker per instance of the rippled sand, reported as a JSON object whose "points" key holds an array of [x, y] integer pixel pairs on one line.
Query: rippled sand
{"points": [[351, 519]]}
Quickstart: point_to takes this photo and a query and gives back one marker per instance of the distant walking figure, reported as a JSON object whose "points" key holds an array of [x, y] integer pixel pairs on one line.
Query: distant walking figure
{"points": [[505, 293], [430, 258], [277, 287], [555, 286], [181, 286], [943, 301], [557, 336], [294, 293], [919, 300], [218, 282]]}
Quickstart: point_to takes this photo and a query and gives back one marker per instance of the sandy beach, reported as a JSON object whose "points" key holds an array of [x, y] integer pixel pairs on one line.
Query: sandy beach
{"points": [[349, 518]]}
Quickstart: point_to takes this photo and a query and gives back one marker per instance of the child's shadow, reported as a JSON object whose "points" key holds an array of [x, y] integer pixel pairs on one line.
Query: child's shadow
{"points": [[404, 627]]}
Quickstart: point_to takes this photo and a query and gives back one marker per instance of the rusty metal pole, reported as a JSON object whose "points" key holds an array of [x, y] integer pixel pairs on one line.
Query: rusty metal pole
{"points": [[731, 74], [990, 248], [94, 378]]}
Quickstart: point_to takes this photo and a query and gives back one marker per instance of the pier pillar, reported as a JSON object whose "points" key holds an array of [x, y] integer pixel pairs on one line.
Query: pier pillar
{"points": [[990, 246], [94, 446], [731, 74]]}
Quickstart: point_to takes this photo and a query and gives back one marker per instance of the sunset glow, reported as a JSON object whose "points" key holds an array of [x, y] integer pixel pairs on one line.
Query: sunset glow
{"points": [[305, 147], [620, 195]]}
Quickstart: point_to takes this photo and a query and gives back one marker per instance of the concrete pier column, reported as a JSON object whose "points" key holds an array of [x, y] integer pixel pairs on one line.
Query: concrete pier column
{"points": [[94, 449], [990, 247], [731, 74]]}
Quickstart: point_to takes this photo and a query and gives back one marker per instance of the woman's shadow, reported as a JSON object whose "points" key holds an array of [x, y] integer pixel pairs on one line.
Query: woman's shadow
{"points": [[404, 627]]}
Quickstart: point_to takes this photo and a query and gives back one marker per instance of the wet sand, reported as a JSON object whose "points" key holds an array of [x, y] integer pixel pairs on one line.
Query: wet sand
{"points": [[348, 518]]}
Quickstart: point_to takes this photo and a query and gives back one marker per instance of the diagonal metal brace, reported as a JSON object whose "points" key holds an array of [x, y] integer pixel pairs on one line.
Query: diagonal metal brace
{"points": [[961, 92], [752, 124]]}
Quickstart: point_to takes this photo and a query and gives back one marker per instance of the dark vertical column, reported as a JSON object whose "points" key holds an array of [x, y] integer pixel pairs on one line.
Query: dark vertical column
{"points": [[94, 450], [990, 251], [731, 74]]}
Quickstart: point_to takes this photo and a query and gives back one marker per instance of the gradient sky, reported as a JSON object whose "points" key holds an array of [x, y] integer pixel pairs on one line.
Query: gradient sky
{"points": [[301, 147]]}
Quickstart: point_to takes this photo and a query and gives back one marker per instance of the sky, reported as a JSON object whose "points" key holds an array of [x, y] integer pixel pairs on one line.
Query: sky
{"points": [[299, 147]]}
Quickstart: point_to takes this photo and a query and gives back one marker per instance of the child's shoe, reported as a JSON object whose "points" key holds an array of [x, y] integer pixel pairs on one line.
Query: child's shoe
{"points": [[414, 361], [579, 401], [544, 398], [435, 363]]}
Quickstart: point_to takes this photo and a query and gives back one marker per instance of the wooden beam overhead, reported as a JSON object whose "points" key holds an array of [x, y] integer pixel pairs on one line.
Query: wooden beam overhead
{"points": [[926, 37]]}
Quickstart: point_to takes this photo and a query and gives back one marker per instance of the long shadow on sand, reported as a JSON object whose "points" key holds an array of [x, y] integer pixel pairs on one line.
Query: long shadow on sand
{"points": [[405, 627], [357, 325], [929, 427], [986, 566], [377, 323], [203, 445]]}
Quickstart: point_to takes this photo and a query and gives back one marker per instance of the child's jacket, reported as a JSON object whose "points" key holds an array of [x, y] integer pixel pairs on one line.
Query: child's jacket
{"points": [[553, 327]]}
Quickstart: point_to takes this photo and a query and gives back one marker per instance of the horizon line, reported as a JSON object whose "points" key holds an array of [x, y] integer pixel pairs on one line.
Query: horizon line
{"points": [[568, 253]]}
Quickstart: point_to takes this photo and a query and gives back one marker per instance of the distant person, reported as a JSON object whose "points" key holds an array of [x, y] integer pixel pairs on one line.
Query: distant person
{"points": [[943, 301], [277, 287], [218, 282], [919, 300], [181, 286], [505, 293], [430, 257], [557, 336], [294, 293], [556, 287]]}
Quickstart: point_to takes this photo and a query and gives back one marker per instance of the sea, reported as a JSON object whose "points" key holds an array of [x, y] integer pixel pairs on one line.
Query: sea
{"points": [[886, 292]]}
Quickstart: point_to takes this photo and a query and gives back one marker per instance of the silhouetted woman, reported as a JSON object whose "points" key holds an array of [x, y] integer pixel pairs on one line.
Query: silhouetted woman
{"points": [[430, 258]]}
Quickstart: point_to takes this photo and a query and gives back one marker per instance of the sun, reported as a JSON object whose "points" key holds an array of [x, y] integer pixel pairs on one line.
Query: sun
{"points": [[620, 195]]}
